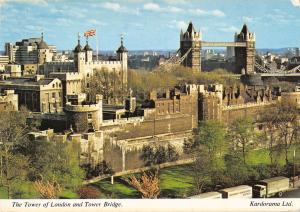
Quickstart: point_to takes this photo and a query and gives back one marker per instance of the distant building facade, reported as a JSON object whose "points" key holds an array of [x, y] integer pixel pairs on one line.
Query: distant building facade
{"points": [[38, 94], [30, 51], [8, 101]]}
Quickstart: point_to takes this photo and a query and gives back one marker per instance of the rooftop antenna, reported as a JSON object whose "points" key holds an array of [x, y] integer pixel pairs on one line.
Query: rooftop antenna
{"points": [[78, 35], [122, 37]]}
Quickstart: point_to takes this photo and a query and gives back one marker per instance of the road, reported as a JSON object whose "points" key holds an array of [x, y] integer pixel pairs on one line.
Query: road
{"points": [[292, 194]]}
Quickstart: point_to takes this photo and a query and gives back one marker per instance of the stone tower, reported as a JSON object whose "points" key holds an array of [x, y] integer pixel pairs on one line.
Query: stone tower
{"points": [[88, 52], [191, 39], [44, 54], [79, 57], [122, 55], [245, 56]]}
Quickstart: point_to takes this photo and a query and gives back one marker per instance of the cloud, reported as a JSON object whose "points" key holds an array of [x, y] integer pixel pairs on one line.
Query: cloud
{"points": [[217, 13], [176, 1], [229, 29], [173, 9], [136, 24], [152, 7], [2, 2], [111, 6], [178, 24], [157, 8], [200, 12], [296, 3], [34, 2], [97, 22], [63, 22], [247, 19]]}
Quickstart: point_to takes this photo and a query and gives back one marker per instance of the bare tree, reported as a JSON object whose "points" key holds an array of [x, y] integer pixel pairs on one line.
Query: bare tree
{"points": [[243, 136], [108, 83], [147, 185], [47, 189], [201, 170]]}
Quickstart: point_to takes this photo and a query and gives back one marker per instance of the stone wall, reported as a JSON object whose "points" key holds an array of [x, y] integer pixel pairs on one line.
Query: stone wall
{"points": [[124, 155]]}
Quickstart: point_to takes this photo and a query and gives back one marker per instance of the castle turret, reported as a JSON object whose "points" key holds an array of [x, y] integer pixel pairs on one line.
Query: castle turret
{"points": [[88, 52], [79, 57], [44, 54], [190, 41], [245, 56], [122, 54]]}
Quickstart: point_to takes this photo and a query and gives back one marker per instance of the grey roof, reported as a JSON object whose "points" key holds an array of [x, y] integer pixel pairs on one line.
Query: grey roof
{"points": [[43, 45], [78, 48], [87, 48], [26, 81], [122, 49], [245, 29], [191, 28]]}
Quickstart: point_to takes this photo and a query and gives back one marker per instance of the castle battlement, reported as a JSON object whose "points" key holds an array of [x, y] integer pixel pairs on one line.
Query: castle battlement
{"points": [[104, 62], [248, 105], [58, 63], [81, 108], [123, 121]]}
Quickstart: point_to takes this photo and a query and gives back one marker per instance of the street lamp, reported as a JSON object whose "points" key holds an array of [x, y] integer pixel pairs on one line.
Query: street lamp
{"points": [[294, 168], [1, 165]]}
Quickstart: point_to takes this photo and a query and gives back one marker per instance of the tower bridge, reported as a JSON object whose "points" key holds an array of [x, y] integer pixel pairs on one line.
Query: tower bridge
{"points": [[222, 44], [246, 59]]}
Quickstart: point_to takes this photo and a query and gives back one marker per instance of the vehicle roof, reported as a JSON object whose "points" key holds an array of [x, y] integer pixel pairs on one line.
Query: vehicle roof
{"points": [[241, 187], [207, 194], [273, 179]]}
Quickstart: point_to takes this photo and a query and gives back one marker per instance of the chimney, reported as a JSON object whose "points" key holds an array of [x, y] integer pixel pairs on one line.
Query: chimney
{"points": [[153, 95], [38, 77]]}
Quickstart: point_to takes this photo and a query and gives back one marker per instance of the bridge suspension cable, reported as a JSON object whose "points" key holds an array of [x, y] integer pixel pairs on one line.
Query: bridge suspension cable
{"points": [[179, 61], [172, 59], [175, 59]]}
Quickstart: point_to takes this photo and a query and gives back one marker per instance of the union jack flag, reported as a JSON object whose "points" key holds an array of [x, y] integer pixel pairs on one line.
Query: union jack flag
{"points": [[90, 33]]}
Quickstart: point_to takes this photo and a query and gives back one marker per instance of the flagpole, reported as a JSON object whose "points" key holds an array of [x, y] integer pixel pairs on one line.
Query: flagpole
{"points": [[97, 49]]}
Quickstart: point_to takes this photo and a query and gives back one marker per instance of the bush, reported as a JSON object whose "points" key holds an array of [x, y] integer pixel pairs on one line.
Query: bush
{"points": [[95, 171], [89, 192]]}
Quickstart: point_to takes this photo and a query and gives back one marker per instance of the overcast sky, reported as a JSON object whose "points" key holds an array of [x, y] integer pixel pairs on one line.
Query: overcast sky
{"points": [[149, 24]]}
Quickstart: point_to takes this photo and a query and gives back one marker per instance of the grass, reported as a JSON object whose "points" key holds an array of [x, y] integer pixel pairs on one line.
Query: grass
{"points": [[261, 156], [3, 193], [26, 190], [117, 190], [177, 181], [68, 194]]}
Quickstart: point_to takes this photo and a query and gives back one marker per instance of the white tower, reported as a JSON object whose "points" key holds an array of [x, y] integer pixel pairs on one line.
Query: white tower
{"points": [[79, 57], [122, 54], [88, 52]]}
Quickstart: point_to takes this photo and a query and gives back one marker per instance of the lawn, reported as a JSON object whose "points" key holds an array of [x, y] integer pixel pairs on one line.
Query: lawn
{"points": [[261, 156], [118, 190], [177, 181], [26, 190]]}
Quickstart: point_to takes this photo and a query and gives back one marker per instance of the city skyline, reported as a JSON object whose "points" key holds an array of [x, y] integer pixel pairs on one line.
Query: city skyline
{"points": [[148, 24]]}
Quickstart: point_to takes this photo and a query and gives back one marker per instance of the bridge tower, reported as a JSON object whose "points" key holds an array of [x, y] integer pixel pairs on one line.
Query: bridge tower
{"points": [[190, 44], [245, 56]]}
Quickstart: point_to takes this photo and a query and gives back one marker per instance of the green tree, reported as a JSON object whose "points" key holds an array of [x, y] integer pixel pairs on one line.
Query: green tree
{"points": [[158, 154], [13, 131], [211, 135], [242, 134], [238, 171], [201, 171], [13, 171], [53, 161]]}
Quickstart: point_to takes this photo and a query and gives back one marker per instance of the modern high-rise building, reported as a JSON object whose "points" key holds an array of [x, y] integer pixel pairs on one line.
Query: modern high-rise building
{"points": [[30, 51]]}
